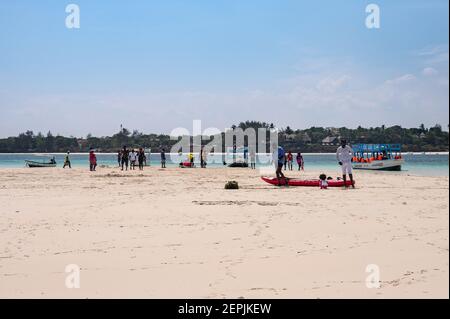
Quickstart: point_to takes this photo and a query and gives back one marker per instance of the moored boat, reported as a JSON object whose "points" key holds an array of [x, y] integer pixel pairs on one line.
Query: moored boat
{"points": [[35, 164], [381, 157]]}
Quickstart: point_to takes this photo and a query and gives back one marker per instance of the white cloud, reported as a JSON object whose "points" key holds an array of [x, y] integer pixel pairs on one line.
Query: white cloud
{"points": [[402, 79], [329, 94], [429, 71], [434, 55]]}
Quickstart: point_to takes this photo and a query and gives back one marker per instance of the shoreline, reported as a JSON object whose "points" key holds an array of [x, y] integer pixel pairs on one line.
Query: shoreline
{"points": [[218, 154]]}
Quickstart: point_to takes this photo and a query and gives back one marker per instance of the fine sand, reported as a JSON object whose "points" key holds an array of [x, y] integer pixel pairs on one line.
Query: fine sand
{"points": [[176, 233]]}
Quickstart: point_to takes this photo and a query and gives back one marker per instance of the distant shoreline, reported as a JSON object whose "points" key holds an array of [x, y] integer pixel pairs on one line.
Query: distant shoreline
{"points": [[115, 153]]}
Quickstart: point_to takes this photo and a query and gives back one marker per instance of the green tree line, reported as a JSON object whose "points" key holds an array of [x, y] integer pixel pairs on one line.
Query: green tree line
{"points": [[419, 139]]}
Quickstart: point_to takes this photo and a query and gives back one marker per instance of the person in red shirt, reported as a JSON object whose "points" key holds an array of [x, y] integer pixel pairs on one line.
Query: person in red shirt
{"points": [[92, 160], [290, 160]]}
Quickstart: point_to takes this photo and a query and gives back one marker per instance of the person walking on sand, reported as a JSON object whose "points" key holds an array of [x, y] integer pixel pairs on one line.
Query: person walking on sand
{"points": [[124, 160], [163, 158], [300, 161], [92, 160], [290, 160], [141, 159], [67, 160], [344, 155]]}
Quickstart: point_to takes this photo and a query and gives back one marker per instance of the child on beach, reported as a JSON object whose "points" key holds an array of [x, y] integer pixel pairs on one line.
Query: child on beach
{"points": [[323, 183], [92, 160]]}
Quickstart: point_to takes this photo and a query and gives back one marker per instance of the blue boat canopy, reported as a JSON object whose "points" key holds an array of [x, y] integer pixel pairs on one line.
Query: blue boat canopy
{"points": [[377, 148]]}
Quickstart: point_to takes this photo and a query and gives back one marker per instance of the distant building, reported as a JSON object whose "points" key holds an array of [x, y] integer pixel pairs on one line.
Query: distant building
{"points": [[290, 137], [306, 139], [330, 140], [422, 135], [333, 130]]}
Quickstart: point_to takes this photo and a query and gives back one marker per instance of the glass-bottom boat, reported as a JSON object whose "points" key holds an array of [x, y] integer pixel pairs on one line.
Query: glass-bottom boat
{"points": [[387, 157]]}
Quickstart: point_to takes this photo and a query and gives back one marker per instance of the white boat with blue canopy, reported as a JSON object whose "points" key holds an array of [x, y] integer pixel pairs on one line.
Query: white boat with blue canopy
{"points": [[382, 157]]}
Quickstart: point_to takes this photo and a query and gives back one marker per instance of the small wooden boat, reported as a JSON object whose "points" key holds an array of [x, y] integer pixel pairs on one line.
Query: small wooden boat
{"points": [[34, 164], [238, 164]]}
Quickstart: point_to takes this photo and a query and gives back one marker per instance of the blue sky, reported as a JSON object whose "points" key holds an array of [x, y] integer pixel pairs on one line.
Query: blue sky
{"points": [[158, 65]]}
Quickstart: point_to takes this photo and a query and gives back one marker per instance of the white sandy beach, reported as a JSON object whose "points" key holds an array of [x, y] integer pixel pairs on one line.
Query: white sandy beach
{"points": [[176, 233]]}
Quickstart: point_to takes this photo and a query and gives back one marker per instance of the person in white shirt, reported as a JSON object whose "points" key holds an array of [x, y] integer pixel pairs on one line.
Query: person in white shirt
{"points": [[344, 157], [132, 158]]}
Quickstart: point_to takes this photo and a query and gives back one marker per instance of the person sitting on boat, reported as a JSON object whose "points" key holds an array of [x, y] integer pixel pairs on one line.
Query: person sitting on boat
{"points": [[67, 161], [344, 156]]}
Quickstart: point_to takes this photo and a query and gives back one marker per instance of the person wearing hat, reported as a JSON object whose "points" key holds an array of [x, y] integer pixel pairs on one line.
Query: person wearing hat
{"points": [[344, 157]]}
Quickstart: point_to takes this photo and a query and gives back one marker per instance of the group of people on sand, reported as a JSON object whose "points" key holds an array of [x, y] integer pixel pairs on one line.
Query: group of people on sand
{"points": [[129, 157], [92, 160], [289, 161], [344, 156]]}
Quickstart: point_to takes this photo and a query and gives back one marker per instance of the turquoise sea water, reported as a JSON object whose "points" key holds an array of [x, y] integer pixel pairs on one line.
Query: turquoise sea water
{"points": [[416, 164]]}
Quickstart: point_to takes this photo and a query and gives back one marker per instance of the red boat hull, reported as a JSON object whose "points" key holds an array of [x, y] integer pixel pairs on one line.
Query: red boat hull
{"points": [[302, 182], [186, 164]]}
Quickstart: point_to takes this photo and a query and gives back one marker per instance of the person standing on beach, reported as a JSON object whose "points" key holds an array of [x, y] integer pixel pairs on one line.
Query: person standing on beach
{"points": [[344, 155], [252, 158], [279, 157], [203, 157], [191, 159], [290, 160], [124, 160], [67, 160], [300, 161], [141, 159], [92, 160], [119, 157], [132, 158], [163, 158]]}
